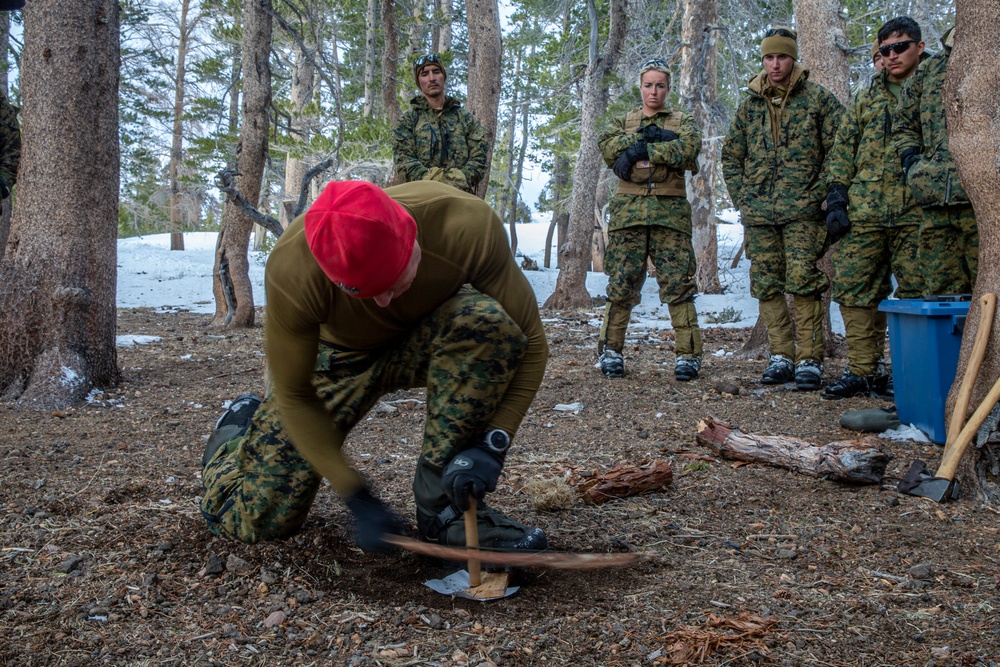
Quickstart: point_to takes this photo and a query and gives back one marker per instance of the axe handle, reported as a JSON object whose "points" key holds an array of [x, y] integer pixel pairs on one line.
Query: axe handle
{"points": [[954, 451], [472, 541], [987, 307]]}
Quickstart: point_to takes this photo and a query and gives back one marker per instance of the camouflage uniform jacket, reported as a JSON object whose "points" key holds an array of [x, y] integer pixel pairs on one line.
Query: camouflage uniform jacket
{"points": [[773, 153], [667, 207], [920, 123], [10, 142], [864, 160], [451, 139]]}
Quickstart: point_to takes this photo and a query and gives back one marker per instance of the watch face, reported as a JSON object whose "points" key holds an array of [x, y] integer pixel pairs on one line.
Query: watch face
{"points": [[498, 441]]}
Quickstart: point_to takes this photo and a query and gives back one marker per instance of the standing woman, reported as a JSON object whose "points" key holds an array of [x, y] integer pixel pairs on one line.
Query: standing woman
{"points": [[649, 150]]}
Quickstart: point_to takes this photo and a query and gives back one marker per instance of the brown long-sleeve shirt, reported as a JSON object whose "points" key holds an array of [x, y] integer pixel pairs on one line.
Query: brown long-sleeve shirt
{"points": [[462, 242]]}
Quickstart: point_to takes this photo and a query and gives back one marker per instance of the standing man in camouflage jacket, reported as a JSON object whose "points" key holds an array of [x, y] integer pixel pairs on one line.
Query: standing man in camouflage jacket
{"points": [[771, 160], [438, 140], [649, 151], [949, 236], [870, 207]]}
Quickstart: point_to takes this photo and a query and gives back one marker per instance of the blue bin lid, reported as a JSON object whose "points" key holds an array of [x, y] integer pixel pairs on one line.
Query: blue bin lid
{"points": [[925, 308]]}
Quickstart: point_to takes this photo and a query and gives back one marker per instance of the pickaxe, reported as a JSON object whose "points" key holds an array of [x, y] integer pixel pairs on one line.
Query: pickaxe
{"points": [[918, 481]]}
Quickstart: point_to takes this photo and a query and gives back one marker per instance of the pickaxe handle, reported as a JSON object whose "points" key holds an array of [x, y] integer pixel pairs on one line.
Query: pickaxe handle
{"points": [[472, 541], [987, 307], [954, 451]]}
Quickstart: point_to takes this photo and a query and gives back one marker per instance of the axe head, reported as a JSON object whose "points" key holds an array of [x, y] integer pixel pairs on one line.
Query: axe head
{"points": [[919, 481]]}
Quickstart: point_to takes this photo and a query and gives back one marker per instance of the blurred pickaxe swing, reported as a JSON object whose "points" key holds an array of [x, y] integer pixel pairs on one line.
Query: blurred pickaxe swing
{"points": [[918, 481]]}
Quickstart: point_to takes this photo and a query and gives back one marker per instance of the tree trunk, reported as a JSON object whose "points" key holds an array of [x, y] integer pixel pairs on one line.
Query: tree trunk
{"points": [[57, 340], [972, 97], [234, 307], [485, 63], [574, 254], [371, 26], [5, 204], [300, 124], [821, 26], [390, 54], [699, 94], [177, 144], [443, 42]]}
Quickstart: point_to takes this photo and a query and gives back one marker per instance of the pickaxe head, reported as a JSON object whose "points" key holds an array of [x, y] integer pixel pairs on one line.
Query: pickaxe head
{"points": [[918, 481]]}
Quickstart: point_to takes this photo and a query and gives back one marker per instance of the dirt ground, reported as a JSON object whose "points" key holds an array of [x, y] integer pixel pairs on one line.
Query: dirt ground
{"points": [[106, 560]]}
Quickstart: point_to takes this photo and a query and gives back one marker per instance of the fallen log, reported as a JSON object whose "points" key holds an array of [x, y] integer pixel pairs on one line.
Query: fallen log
{"points": [[854, 461], [560, 560]]}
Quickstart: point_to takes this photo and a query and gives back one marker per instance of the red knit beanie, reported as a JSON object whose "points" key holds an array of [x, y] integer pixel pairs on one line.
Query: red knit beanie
{"points": [[360, 237]]}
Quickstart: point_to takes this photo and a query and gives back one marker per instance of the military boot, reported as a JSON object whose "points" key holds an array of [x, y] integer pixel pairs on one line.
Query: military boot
{"points": [[441, 522], [233, 423]]}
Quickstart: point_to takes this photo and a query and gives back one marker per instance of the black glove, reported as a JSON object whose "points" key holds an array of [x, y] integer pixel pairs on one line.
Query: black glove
{"points": [[837, 223], [474, 471], [372, 521], [654, 134], [4, 188], [632, 154], [908, 157]]}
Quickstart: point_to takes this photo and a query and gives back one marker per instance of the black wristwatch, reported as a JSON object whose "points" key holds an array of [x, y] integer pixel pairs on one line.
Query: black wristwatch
{"points": [[496, 442]]}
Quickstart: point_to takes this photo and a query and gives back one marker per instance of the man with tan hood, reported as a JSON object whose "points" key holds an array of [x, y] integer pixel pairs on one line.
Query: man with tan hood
{"points": [[771, 160]]}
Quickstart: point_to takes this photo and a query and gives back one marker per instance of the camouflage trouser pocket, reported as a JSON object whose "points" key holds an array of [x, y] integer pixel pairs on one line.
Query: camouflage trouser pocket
{"points": [[257, 487]]}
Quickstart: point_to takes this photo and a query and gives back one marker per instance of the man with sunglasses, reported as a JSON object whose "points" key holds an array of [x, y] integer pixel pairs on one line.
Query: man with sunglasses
{"points": [[438, 140], [771, 159], [649, 216], [949, 236], [872, 214]]}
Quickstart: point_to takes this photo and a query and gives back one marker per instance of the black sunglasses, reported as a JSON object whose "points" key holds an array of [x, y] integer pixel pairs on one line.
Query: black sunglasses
{"points": [[429, 58], [781, 32], [653, 63], [898, 47]]}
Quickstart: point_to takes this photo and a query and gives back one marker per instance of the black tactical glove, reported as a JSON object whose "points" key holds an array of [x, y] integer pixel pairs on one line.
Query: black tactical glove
{"points": [[653, 134], [908, 157], [372, 521], [632, 154], [475, 472], [837, 223]]}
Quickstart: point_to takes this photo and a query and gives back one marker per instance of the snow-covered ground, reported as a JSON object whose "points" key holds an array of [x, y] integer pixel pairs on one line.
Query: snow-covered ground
{"points": [[151, 275]]}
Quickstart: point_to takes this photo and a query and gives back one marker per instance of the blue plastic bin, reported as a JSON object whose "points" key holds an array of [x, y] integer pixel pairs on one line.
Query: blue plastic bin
{"points": [[924, 340]]}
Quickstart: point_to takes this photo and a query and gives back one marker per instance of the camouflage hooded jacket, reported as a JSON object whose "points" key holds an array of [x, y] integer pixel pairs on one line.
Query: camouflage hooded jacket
{"points": [[865, 161], [920, 124], [774, 150], [451, 139]]}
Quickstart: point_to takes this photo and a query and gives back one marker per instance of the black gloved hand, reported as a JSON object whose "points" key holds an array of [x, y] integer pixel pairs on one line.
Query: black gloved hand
{"points": [[654, 134], [632, 154], [908, 157], [4, 188], [837, 223], [372, 521], [474, 471]]}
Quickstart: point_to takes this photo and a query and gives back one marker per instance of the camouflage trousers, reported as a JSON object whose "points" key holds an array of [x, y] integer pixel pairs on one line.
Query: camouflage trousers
{"points": [[865, 259], [949, 249], [625, 264], [783, 259], [259, 487]]}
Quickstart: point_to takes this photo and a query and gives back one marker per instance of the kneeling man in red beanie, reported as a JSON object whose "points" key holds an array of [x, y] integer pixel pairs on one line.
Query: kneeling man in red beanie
{"points": [[369, 292]]}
